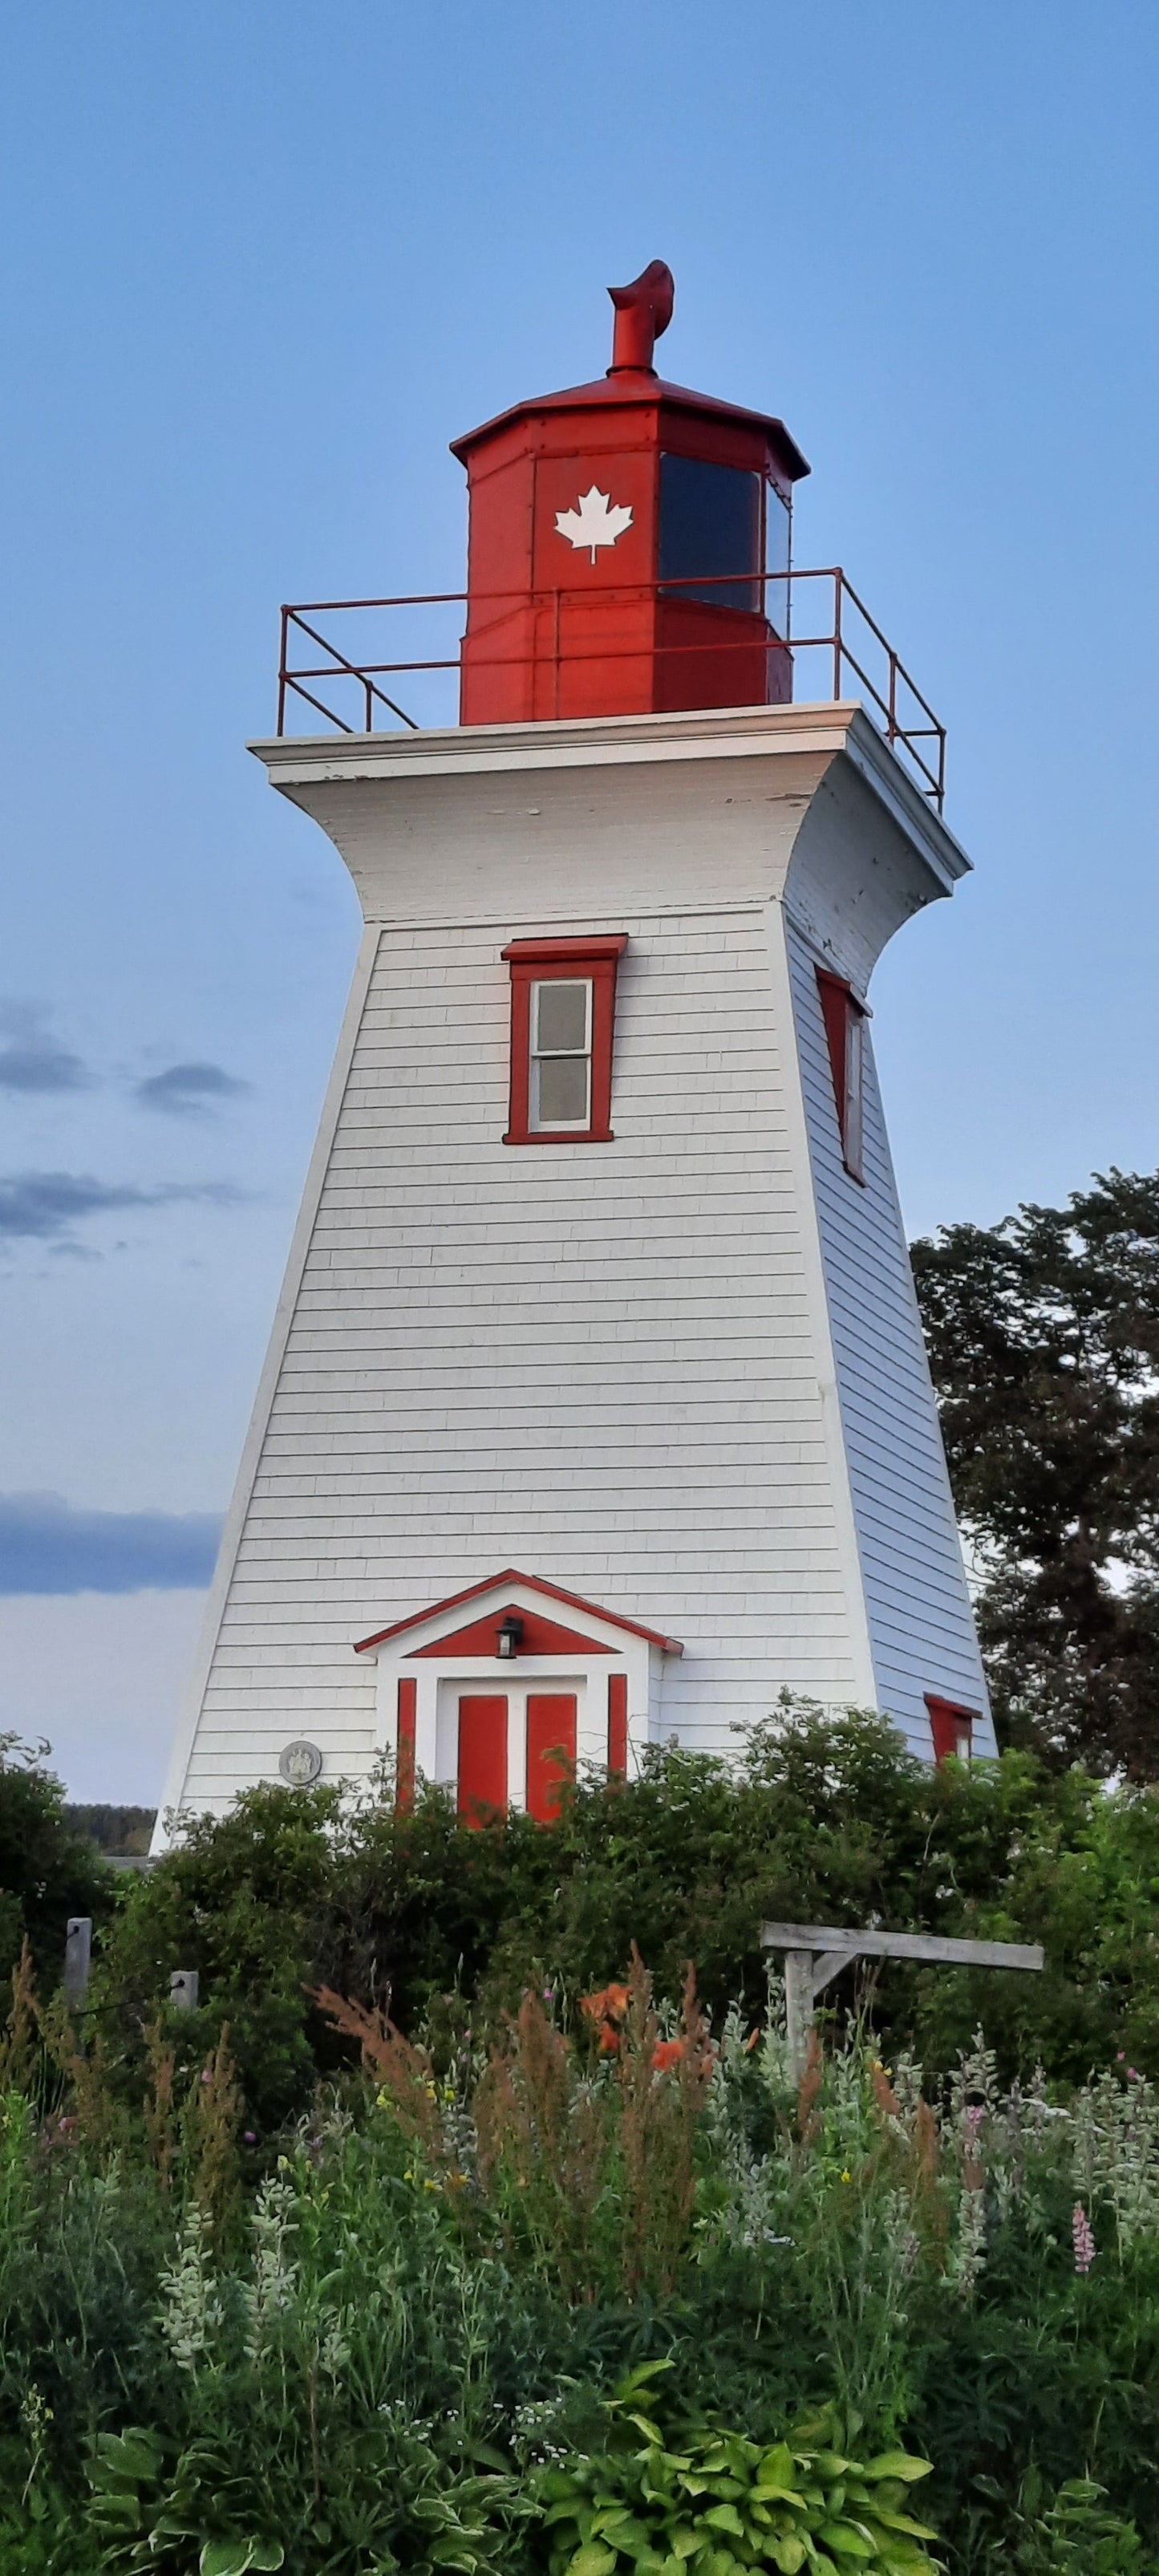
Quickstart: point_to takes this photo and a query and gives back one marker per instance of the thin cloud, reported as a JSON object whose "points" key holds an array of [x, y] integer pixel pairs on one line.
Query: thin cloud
{"points": [[187, 1090], [33, 1059], [44, 1206], [46, 1546]]}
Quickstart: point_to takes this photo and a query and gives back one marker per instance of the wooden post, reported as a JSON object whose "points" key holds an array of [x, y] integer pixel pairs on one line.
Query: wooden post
{"points": [[78, 1951], [798, 2007], [815, 1953]]}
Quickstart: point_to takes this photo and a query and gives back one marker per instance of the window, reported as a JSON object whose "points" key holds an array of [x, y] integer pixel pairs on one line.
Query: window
{"points": [[563, 1000], [952, 1728], [845, 1018], [710, 524], [561, 1055]]}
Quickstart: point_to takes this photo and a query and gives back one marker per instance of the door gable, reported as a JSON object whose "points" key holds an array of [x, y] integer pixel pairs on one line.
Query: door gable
{"points": [[540, 1637], [507, 1594]]}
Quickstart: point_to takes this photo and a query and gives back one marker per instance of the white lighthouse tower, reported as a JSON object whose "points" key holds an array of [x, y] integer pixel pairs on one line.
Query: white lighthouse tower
{"points": [[596, 1409]]}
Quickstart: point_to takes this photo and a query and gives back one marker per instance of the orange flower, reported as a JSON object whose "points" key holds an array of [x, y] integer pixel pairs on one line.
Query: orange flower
{"points": [[666, 2054], [610, 2004]]}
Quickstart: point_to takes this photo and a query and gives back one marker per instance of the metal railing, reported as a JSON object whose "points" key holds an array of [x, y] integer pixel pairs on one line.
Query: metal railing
{"points": [[851, 647]]}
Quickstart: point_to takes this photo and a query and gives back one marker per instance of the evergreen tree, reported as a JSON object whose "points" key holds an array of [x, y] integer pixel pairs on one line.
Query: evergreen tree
{"points": [[1043, 1335]]}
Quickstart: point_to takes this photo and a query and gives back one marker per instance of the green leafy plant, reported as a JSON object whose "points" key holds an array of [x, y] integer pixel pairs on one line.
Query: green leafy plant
{"points": [[701, 2498]]}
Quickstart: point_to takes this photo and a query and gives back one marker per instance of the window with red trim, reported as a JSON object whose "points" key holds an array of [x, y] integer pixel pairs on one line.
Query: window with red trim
{"points": [[563, 1012], [952, 1728], [844, 1018]]}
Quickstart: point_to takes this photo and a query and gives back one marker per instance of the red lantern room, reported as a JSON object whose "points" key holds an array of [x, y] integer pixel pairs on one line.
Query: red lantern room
{"points": [[629, 543]]}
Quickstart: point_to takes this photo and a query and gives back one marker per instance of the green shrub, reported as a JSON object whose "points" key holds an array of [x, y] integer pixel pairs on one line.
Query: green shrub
{"points": [[700, 2498], [817, 1822]]}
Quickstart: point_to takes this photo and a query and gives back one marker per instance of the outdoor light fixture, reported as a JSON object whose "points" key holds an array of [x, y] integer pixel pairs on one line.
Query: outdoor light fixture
{"points": [[510, 1635]]}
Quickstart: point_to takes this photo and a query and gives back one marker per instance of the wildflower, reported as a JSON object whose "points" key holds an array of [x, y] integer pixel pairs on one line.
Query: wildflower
{"points": [[847, 2176], [251, 2137], [609, 2005], [1084, 2242], [667, 2054], [430, 2186]]}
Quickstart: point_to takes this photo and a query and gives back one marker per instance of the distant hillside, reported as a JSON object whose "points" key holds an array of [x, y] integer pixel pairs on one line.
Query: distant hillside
{"points": [[114, 1829]]}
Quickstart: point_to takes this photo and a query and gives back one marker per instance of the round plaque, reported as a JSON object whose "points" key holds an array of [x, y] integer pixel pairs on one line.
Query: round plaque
{"points": [[300, 1763]]}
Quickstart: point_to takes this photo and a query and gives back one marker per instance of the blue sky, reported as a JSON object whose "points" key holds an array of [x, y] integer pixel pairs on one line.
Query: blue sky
{"points": [[261, 263]]}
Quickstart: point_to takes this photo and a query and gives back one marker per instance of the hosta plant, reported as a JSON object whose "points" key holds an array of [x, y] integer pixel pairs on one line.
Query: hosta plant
{"points": [[699, 2500]]}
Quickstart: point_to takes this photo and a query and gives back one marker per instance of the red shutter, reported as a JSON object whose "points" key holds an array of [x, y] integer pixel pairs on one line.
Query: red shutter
{"points": [[404, 1769], [551, 1739], [482, 1757], [617, 1726]]}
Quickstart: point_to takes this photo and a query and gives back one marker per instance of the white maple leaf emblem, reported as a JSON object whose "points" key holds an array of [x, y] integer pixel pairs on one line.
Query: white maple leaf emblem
{"points": [[597, 521]]}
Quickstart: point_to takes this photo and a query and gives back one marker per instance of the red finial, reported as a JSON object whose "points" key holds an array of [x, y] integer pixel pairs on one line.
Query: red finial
{"points": [[643, 311]]}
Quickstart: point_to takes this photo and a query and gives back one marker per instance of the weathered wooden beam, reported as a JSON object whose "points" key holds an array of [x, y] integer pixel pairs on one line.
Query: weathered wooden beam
{"points": [[817, 1937], [815, 1953]]}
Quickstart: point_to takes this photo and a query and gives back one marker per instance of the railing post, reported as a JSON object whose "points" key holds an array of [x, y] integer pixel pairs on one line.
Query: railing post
{"points": [[837, 647], [282, 674], [892, 733], [369, 688]]}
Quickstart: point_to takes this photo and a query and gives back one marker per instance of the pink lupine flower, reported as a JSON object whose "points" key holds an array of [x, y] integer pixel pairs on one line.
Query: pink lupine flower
{"points": [[1084, 2242]]}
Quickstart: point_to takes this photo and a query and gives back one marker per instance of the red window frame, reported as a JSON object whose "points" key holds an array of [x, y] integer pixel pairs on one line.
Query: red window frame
{"points": [[949, 1723], [844, 1018], [542, 961]]}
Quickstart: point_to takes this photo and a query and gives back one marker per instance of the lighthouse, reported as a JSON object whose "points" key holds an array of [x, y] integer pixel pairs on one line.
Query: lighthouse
{"points": [[596, 1411]]}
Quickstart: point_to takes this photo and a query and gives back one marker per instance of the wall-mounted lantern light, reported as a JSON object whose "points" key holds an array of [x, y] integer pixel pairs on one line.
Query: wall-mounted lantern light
{"points": [[510, 1635]]}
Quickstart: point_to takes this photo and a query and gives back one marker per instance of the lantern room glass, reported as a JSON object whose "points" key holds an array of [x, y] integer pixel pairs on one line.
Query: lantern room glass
{"points": [[710, 527]]}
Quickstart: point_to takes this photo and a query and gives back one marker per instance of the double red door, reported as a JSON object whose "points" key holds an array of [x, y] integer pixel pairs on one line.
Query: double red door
{"points": [[483, 1759]]}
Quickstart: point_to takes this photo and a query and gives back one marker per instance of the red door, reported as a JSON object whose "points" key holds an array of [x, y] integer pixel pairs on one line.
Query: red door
{"points": [[550, 1750], [482, 1757]]}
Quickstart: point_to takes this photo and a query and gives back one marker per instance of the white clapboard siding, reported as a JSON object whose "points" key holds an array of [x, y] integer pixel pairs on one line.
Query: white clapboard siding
{"points": [[598, 1364], [921, 1625], [679, 1374]]}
